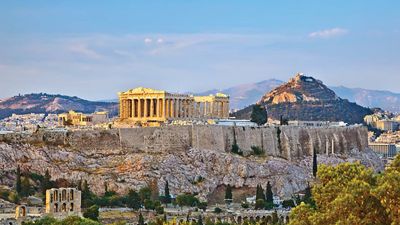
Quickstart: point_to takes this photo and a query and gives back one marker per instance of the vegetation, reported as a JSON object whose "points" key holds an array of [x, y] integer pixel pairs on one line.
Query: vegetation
{"points": [[269, 195], [187, 200], [228, 194], [92, 213], [257, 150], [259, 114], [72, 220], [167, 196], [352, 194], [260, 193], [315, 163]]}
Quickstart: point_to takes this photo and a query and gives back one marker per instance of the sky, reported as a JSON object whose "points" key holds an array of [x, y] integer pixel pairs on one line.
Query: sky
{"points": [[96, 48]]}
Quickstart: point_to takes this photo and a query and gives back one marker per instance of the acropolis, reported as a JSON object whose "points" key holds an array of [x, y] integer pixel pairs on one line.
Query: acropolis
{"points": [[146, 105]]}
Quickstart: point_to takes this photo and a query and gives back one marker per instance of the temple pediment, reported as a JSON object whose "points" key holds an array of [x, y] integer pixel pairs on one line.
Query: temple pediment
{"points": [[143, 90]]}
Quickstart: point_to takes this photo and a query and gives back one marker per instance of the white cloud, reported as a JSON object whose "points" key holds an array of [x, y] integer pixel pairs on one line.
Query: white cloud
{"points": [[328, 33], [148, 40], [160, 40], [84, 50]]}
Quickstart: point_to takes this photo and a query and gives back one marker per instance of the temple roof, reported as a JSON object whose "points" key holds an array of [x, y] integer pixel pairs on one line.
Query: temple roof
{"points": [[143, 90]]}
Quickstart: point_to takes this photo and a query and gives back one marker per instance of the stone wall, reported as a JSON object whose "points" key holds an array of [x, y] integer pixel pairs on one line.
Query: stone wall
{"points": [[285, 142]]}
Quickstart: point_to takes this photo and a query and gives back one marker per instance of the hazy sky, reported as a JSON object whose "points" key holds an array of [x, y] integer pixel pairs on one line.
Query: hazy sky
{"points": [[93, 49]]}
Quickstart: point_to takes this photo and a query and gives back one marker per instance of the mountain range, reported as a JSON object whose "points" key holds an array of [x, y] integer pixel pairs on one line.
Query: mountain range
{"points": [[49, 103]]}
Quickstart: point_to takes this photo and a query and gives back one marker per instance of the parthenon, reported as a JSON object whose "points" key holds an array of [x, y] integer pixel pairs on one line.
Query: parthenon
{"points": [[149, 105]]}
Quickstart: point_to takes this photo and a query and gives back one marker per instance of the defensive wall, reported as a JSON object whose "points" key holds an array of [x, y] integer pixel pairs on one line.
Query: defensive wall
{"points": [[287, 142]]}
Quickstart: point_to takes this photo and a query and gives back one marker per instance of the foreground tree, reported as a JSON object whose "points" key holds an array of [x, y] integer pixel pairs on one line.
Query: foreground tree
{"points": [[349, 194], [268, 193], [259, 115]]}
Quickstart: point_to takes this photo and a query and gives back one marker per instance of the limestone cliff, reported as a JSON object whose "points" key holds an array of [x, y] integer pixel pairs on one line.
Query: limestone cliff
{"points": [[192, 159]]}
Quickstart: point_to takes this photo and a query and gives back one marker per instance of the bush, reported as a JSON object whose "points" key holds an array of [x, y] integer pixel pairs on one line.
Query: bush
{"points": [[288, 203], [92, 213], [217, 210], [257, 150], [245, 205]]}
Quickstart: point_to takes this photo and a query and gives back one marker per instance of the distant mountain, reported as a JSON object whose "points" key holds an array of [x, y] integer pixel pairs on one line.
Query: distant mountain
{"points": [[306, 98], [246, 94], [370, 98], [47, 103]]}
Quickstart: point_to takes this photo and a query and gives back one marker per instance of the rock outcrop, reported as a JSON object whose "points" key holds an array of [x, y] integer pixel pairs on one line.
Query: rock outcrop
{"points": [[184, 156]]}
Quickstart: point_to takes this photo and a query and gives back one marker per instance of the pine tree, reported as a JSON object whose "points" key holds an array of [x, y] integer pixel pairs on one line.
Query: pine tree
{"points": [[167, 194], [269, 194], [25, 187], [260, 193], [141, 219], [315, 163], [86, 195], [228, 194], [18, 185]]}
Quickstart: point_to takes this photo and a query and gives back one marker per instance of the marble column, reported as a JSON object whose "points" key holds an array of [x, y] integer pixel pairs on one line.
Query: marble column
{"points": [[164, 114]]}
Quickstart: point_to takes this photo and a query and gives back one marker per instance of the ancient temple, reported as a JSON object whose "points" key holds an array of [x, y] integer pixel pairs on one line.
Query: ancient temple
{"points": [[146, 105]]}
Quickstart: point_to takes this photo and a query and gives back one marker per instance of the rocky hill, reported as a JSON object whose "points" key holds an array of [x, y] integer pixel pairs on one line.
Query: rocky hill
{"points": [[47, 103], [306, 98], [191, 159]]}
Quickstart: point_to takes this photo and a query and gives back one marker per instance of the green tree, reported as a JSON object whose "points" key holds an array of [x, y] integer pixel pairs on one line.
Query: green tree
{"points": [[26, 188], [260, 193], [200, 220], [315, 163], [259, 114], [187, 200], [92, 213], [260, 204], [268, 193], [343, 194], [228, 194], [133, 200], [46, 182], [18, 185], [167, 195], [145, 194], [141, 219], [87, 196]]}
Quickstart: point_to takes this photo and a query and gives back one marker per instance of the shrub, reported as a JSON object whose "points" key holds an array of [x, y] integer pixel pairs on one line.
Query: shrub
{"points": [[217, 210]]}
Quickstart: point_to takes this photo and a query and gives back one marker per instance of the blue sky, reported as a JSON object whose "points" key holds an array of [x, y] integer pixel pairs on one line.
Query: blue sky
{"points": [[93, 49]]}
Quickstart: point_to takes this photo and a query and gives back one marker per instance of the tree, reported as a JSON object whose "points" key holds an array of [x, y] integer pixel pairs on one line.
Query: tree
{"points": [[315, 164], [25, 187], [46, 183], [344, 194], [167, 196], [145, 194], [268, 193], [259, 115], [187, 200], [141, 219], [133, 200], [260, 204], [228, 194], [18, 185], [86, 195], [92, 213], [200, 220], [260, 193]]}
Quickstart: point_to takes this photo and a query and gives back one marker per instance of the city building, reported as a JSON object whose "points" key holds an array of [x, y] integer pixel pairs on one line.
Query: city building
{"points": [[386, 125], [147, 106], [386, 150], [73, 118], [316, 123]]}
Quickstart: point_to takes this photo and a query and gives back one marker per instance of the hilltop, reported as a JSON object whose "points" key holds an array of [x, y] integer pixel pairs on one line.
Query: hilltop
{"points": [[306, 98], [48, 103]]}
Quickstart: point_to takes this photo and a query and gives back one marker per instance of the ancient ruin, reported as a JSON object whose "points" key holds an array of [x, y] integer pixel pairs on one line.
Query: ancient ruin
{"points": [[145, 105], [63, 202]]}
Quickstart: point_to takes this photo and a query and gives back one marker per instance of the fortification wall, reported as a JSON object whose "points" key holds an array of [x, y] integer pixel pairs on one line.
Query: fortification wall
{"points": [[285, 142]]}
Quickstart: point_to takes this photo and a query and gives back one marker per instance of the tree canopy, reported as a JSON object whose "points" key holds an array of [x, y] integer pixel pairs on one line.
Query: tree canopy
{"points": [[352, 194], [259, 115]]}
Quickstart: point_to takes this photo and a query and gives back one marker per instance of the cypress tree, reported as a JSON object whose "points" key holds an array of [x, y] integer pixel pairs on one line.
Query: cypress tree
{"points": [[259, 115], [315, 163], [269, 194], [46, 183], [18, 185], [228, 194], [200, 220], [260, 193], [25, 187], [166, 193]]}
